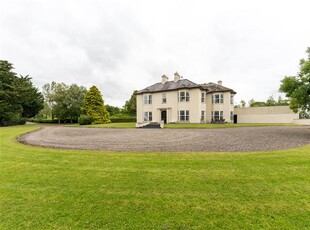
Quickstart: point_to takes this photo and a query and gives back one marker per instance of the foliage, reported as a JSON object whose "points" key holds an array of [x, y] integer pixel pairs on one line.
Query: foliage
{"points": [[60, 189], [64, 101], [122, 119], [113, 110], [270, 102], [85, 120], [93, 106], [297, 88], [18, 97], [131, 105]]}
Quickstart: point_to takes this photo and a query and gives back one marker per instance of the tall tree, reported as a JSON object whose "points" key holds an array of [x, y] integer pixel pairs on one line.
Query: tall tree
{"points": [[297, 88], [131, 105], [93, 106], [18, 97]]}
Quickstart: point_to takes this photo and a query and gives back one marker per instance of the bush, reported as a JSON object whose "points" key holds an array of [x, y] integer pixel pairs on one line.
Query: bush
{"points": [[122, 119], [85, 120], [14, 120]]}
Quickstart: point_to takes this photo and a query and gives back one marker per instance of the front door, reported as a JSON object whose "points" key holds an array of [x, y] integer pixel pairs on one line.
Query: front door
{"points": [[164, 116]]}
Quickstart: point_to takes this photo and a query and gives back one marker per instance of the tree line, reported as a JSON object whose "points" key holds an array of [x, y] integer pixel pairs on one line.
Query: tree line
{"points": [[21, 100]]}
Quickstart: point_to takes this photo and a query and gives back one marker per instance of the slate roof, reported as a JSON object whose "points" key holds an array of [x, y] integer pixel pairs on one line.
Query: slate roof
{"points": [[169, 86], [185, 84], [213, 87]]}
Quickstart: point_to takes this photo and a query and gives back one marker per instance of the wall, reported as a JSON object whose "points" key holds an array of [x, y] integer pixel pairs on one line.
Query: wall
{"points": [[268, 114], [302, 122]]}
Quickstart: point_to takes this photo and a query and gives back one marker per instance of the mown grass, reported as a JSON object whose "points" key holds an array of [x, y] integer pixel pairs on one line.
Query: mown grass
{"points": [[42, 188]]}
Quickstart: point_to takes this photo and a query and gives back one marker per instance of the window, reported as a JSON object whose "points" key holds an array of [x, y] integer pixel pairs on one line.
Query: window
{"points": [[231, 115], [147, 116], [232, 99], [202, 116], [183, 96], [217, 98], [217, 115], [183, 115], [203, 97], [164, 98], [147, 99]]}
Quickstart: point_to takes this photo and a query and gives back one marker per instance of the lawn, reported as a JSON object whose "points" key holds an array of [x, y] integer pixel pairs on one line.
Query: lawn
{"points": [[42, 188]]}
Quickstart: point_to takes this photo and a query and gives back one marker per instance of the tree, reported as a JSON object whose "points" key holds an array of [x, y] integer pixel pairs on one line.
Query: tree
{"points": [[112, 110], [93, 106], [64, 101], [18, 96], [131, 105], [297, 88]]}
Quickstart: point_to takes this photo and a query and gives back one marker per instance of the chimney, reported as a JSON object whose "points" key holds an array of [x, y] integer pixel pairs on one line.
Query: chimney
{"points": [[164, 79], [176, 77], [219, 82]]}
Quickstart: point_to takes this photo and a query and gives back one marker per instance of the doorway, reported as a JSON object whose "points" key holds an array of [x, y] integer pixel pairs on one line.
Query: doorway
{"points": [[164, 116]]}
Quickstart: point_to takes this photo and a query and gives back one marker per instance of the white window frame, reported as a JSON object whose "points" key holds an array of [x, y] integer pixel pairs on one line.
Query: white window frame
{"points": [[231, 115], [183, 96], [148, 116], [164, 98], [147, 99], [183, 115], [203, 116], [203, 97], [217, 115], [218, 98], [232, 99]]}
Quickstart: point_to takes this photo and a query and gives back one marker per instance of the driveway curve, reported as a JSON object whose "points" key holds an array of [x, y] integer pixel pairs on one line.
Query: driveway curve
{"points": [[243, 139]]}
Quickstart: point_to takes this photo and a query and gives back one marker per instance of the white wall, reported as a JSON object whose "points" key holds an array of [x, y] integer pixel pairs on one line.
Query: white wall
{"points": [[302, 122], [268, 114]]}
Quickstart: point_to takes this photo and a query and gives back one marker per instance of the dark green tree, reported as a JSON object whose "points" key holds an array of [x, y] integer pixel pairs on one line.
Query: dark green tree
{"points": [[112, 110], [131, 105], [297, 88], [93, 106], [18, 97]]}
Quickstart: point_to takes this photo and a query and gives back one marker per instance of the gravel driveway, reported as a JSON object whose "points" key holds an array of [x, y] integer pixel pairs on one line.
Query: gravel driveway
{"points": [[171, 140]]}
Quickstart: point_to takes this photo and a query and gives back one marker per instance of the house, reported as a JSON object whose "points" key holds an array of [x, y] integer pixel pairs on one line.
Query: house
{"points": [[183, 101]]}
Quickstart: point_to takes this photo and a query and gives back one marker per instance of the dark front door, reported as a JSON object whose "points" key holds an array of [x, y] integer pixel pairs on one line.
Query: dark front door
{"points": [[235, 118], [164, 116]]}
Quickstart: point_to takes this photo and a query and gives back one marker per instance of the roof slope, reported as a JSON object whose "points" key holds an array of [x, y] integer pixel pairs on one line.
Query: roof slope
{"points": [[169, 86], [213, 87]]}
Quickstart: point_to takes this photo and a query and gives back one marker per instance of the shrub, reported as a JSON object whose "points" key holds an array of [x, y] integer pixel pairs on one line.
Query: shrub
{"points": [[85, 120], [123, 119]]}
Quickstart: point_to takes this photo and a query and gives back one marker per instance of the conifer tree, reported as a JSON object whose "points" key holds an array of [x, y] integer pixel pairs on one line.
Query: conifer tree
{"points": [[93, 106]]}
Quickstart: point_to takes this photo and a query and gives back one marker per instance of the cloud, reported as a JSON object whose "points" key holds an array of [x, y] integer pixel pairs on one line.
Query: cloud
{"points": [[121, 46]]}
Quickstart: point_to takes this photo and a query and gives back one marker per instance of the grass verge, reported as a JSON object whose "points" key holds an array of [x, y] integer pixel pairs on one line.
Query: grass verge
{"points": [[42, 188]]}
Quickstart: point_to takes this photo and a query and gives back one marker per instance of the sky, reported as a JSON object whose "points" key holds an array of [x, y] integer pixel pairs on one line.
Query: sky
{"points": [[122, 46]]}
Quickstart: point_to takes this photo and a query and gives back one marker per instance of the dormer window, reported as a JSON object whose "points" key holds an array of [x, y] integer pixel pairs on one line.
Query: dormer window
{"points": [[183, 96]]}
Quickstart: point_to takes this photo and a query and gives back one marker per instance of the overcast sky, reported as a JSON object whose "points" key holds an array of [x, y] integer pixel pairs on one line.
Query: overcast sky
{"points": [[120, 46]]}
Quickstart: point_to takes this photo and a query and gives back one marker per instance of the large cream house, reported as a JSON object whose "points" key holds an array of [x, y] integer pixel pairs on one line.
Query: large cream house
{"points": [[183, 101]]}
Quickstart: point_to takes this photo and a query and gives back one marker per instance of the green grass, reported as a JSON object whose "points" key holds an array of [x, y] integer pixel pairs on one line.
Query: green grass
{"points": [[42, 188]]}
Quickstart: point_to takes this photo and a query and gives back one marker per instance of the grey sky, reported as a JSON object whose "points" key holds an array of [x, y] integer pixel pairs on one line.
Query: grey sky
{"points": [[120, 46]]}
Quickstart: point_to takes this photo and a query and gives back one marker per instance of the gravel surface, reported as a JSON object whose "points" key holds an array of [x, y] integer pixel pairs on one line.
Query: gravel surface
{"points": [[171, 140]]}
